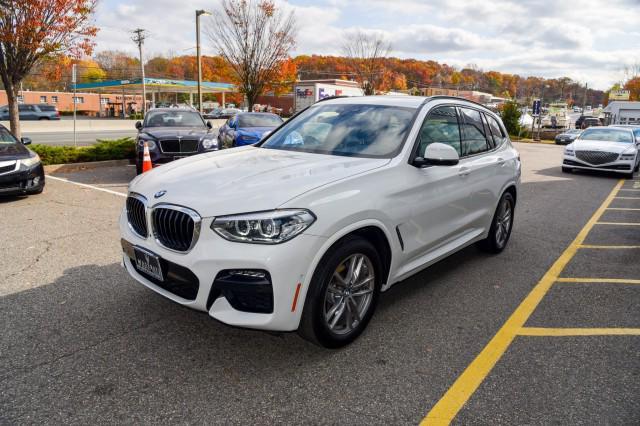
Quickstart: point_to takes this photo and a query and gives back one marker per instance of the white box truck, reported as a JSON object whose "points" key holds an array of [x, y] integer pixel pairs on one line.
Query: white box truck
{"points": [[311, 91]]}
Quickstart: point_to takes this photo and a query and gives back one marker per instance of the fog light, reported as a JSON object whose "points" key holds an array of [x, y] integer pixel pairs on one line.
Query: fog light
{"points": [[248, 273]]}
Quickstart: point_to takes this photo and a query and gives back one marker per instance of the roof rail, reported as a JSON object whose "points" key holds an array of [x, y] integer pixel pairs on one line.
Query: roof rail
{"points": [[328, 98], [459, 98]]}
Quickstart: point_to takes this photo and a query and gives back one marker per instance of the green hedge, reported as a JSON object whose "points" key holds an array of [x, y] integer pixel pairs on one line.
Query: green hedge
{"points": [[116, 149]]}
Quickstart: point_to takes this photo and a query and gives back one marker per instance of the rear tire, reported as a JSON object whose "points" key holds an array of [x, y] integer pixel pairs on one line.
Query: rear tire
{"points": [[501, 226], [342, 298]]}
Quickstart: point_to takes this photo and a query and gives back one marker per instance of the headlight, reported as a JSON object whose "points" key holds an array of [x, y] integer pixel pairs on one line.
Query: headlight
{"points": [[209, 143], [31, 161], [627, 156], [569, 152], [150, 143], [271, 227]]}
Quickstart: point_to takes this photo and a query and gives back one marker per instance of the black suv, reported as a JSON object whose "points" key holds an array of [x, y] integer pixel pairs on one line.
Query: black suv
{"points": [[173, 133]]}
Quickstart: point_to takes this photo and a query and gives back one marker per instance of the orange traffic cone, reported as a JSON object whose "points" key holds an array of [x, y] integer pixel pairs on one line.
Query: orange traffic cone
{"points": [[146, 159]]}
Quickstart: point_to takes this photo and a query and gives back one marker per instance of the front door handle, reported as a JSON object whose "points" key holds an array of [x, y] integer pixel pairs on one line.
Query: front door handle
{"points": [[464, 171], [501, 161]]}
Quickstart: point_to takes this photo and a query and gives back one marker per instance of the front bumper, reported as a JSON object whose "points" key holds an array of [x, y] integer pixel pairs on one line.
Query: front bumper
{"points": [[620, 166], [286, 266], [23, 181]]}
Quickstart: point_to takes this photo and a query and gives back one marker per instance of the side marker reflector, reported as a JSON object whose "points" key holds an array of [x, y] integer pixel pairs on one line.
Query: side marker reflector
{"points": [[295, 298]]}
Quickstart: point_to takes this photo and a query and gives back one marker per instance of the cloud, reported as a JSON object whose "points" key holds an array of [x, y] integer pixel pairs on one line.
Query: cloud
{"points": [[590, 40]]}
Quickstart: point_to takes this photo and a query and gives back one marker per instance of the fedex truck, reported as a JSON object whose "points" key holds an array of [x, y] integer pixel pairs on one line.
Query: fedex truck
{"points": [[311, 91]]}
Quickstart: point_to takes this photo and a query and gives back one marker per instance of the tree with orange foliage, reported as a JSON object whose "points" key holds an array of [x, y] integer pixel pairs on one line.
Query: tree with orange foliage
{"points": [[32, 30], [254, 37]]}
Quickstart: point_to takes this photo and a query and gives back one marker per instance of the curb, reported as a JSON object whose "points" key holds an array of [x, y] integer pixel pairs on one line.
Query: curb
{"points": [[75, 167]]}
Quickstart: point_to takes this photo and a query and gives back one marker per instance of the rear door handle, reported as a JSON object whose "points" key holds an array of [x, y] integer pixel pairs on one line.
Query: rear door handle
{"points": [[464, 171]]}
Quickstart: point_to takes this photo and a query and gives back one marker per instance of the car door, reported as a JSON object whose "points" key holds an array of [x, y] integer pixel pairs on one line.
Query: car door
{"points": [[482, 161], [436, 198], [26, 112]]}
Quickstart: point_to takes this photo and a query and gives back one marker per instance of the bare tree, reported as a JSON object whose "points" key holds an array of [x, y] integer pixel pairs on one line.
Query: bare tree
{"points": [[255, 38], [32, 30], [366, 54]]}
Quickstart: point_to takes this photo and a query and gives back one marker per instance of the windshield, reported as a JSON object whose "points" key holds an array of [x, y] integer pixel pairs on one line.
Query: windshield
{"points": [[173, 119], [607, 135], [6, 138], [374, 131], [259, 120]]}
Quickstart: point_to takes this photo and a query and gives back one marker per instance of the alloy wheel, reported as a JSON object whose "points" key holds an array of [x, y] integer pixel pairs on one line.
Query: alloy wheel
{"points": [[503, 222], [349, 294]]}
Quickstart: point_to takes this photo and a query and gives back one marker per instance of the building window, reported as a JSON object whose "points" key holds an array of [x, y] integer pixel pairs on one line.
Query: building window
{"points": [[20, 99], [79, 99], [104, 101], [54, 99], [43, 99]]}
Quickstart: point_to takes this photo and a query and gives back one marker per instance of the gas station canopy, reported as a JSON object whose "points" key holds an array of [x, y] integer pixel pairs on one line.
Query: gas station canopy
{"points": [[161, 84]]}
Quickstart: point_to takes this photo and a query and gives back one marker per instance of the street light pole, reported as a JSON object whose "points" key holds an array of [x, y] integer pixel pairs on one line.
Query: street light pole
{"points": [[199, 56]]}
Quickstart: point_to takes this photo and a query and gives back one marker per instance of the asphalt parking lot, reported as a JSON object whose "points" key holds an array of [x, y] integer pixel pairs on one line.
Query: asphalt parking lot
{"points": [[546, 332]]}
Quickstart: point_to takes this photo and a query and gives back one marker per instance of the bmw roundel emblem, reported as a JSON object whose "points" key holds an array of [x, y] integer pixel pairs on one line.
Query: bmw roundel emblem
{"points": [[159, 194]]}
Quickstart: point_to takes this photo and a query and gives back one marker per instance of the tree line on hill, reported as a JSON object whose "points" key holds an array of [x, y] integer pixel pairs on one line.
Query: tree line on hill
{"points": [[396, 75]]}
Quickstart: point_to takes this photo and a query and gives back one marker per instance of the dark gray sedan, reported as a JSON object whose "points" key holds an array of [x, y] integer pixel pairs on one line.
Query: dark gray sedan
{"points": [[567, 137]]}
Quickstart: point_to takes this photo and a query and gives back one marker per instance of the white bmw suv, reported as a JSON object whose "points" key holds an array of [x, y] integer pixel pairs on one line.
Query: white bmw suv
{"points": [[304, 230]]}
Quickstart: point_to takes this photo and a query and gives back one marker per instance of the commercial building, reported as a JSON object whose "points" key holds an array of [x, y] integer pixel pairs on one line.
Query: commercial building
{"points": [[91, 104], [622, 112]]}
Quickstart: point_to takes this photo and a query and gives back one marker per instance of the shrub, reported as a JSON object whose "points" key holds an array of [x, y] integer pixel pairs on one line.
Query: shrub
{"points": [[510, 115], [115, 149]]}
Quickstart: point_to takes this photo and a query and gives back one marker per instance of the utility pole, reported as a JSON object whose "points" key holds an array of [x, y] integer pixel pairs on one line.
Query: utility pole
{"points": [[138, 37], [74, 79], [199, 56]]}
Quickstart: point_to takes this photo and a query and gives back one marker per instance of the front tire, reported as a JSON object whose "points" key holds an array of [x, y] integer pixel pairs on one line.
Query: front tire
{"points": [[343, 294], [501, 225]]}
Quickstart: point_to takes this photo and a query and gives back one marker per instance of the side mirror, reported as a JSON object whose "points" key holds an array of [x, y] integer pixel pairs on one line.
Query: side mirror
{"points": [[209, 125], [438, 154], [138, 125], [25, 141]]}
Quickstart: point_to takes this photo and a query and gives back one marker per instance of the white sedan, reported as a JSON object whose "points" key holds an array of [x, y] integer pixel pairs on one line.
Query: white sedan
{"points": [[608, 149], [304, 230]]}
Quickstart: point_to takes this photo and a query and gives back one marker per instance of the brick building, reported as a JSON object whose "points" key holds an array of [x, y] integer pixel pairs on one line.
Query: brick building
{"points": [[92, 104]]}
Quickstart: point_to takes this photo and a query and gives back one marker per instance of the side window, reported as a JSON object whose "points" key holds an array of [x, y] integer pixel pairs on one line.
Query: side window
{"points": [[23, 108], [440, 126], [487, 131], [496, 131], [474, 140]]}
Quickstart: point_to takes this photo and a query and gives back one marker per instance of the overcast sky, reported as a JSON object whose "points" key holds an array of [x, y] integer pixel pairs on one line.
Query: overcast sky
{"points": [[587, 40]]}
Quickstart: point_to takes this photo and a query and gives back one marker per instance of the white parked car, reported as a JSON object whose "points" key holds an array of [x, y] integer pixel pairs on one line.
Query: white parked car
{"points": [[611, 149], [303, 230]]}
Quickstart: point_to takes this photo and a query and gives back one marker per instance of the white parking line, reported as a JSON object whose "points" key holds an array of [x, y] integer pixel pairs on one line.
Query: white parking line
{"points": [[84, 185]]}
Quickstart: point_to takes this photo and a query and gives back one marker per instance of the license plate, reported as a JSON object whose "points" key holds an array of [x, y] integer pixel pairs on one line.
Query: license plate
{"points": [[148, 263]]}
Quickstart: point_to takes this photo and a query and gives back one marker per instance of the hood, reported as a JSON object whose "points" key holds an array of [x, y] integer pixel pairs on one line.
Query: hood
{"points": [[172, 132], [13, 151], [605, 146], [246, 179]]}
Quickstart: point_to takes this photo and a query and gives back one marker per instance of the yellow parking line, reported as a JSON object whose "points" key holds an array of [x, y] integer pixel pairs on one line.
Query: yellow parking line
{"points": [[597, 280], [591, 246], [459, 393], [619, 223], [549, 332]]}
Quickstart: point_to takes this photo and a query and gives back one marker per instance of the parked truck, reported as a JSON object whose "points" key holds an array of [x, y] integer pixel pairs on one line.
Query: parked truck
{"points": [[308, 92]]}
